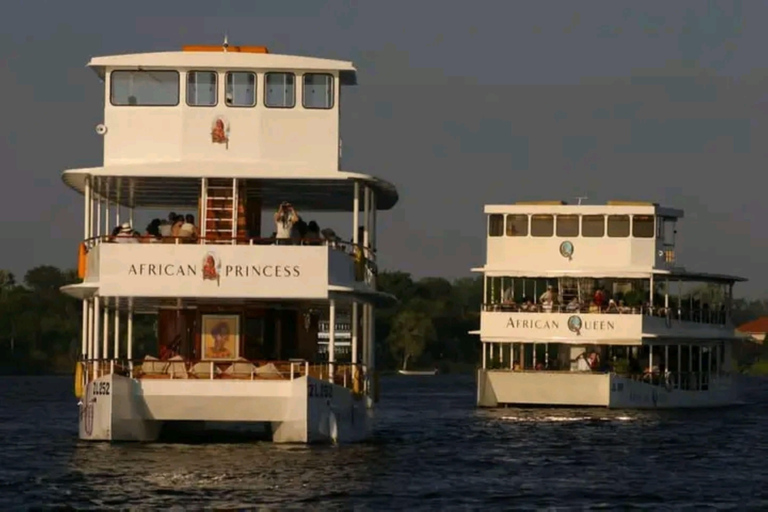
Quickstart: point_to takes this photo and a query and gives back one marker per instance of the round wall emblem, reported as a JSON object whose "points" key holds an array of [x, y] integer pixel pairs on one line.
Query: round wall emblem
{"points": [[574, 324], [566, 250]]}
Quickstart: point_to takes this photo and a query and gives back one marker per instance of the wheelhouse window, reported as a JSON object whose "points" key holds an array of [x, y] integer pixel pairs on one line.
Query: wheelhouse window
{"points": [[618, 226], [517, 225], [495, 224], [568, 225], [593, 226], [280, 90], [318, 91], [201, 88], [240, 89], [144, 88], [542, 225], [643, 226]]}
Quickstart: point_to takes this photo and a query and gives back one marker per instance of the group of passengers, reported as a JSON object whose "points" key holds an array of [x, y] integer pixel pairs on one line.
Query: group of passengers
{"points": [[550, 301], [174, 227]]}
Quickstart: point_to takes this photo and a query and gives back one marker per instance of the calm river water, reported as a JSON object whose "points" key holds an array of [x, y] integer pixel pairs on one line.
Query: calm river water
{"points": [[432, 450]]}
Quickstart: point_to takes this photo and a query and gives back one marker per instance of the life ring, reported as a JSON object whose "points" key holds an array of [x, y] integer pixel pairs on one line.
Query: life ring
{"points": [[79, 379]]}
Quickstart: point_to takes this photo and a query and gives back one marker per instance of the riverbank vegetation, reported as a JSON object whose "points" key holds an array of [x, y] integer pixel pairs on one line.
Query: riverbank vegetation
{"points": [[428, 328]]}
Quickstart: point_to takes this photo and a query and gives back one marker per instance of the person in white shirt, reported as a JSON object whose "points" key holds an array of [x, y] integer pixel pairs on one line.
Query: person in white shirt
{"points": [[285, 218], [165, 226], [188, 229]]}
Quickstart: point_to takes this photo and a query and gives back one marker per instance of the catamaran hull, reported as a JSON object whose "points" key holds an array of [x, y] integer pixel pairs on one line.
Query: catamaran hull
{"points": [[498, 387], [302, 410]]}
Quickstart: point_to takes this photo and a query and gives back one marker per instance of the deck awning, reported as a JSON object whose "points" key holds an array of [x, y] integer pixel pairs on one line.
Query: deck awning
{"points": [[178, 184]]}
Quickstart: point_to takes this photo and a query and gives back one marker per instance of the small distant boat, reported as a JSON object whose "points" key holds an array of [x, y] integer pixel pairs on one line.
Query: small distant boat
{"points": [[418, 372]]}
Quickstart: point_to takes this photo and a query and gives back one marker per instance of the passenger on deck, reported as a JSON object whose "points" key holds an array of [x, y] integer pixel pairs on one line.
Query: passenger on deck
{"points": [[573, 305], [285, 218], [313, 233], [153, 230], [176, 226], [548, 298], [299, 231], [508, 297], [599, 298], [188, 228], [125, 235], [114, 233], [165, 226]]}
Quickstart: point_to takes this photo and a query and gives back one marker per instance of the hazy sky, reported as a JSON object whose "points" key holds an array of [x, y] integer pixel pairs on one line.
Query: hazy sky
{"points": [[459, 104]]}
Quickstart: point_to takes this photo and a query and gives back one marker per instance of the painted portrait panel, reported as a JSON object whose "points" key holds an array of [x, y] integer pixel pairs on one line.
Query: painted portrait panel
{"points": [[221, 336]]}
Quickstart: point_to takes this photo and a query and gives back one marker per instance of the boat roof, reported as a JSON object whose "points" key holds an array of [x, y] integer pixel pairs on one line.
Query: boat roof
{"points": [[563, 208], [608, 273], [215, 57], [177, 184]]}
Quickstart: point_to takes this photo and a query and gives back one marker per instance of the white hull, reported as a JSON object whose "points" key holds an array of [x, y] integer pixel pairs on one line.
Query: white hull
{"points": [[302, 410], [504, 387]]}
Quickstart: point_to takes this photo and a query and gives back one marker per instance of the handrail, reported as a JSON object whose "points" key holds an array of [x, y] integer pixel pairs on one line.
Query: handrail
{"points": [[366, 259], [354, 376], [701, 315]]}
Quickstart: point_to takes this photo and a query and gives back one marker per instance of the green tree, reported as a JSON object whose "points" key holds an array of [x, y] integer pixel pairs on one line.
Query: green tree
{"points": [[409, 335]]}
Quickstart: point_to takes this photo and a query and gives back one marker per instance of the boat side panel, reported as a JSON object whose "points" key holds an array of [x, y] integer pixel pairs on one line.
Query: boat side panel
{"points": [[544, 388], [631, 394]]}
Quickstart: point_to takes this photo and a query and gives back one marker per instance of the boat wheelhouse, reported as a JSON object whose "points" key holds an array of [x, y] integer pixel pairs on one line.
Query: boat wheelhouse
{"points": [[586, 305], [239, 139]]}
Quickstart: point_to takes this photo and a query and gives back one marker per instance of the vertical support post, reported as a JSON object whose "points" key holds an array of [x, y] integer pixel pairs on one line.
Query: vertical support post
{"points": [[700, 377], [107, 231], [234, 211], [372, 236], [356, 214], [96, 325], [650, 300], [84, 332], [483, 344], [116, 345], [354, 326], [331, 339], [366, 218], [372, 342], [117, 202], [89, 334], [666, 293], [87, 209], [203, 221], [105, 340], [129, 335], [690, 364], [666, 359], [98, 207], [131, 197]]}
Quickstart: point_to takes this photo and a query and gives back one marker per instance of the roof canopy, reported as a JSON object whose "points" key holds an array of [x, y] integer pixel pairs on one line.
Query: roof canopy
{"points": [[224, 60], [132, 186]]}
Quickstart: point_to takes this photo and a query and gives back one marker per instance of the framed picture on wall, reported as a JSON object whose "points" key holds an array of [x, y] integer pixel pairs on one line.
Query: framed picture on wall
{"points": [[221, 337]]}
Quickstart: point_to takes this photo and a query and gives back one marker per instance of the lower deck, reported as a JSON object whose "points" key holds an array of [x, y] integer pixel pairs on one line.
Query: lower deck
{"points": [[576, 389]]}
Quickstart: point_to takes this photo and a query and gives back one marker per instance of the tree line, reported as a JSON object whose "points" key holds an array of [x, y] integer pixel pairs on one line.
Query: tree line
{"points": [[428, 327]]}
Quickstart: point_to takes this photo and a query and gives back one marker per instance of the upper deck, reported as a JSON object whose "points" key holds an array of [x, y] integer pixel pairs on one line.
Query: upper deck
{"points": [[536, 238], [223, 104]]}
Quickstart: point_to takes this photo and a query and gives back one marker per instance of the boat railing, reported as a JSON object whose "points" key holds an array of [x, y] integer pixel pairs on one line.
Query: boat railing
{"points": [[686, 314], [353, 376], [364, 258], [686, 381]]}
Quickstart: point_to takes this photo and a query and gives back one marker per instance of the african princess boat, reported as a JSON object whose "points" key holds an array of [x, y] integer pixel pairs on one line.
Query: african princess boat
{"points": [[586, 305], [240, 139]]}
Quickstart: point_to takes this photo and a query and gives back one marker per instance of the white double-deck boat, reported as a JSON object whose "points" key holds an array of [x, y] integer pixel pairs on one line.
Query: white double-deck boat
{"points": [[230, 134], [585, 305]]}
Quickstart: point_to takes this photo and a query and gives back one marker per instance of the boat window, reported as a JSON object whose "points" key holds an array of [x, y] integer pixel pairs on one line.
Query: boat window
{"points": [[567, 225], [318, 91], [642, 226], [670, 230], [241, 89], [496, 225], [593, 226], [660, 228], [144, 88], [517, 225], [542, 225], [280, 90], [201, 88], [618, 226]]}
